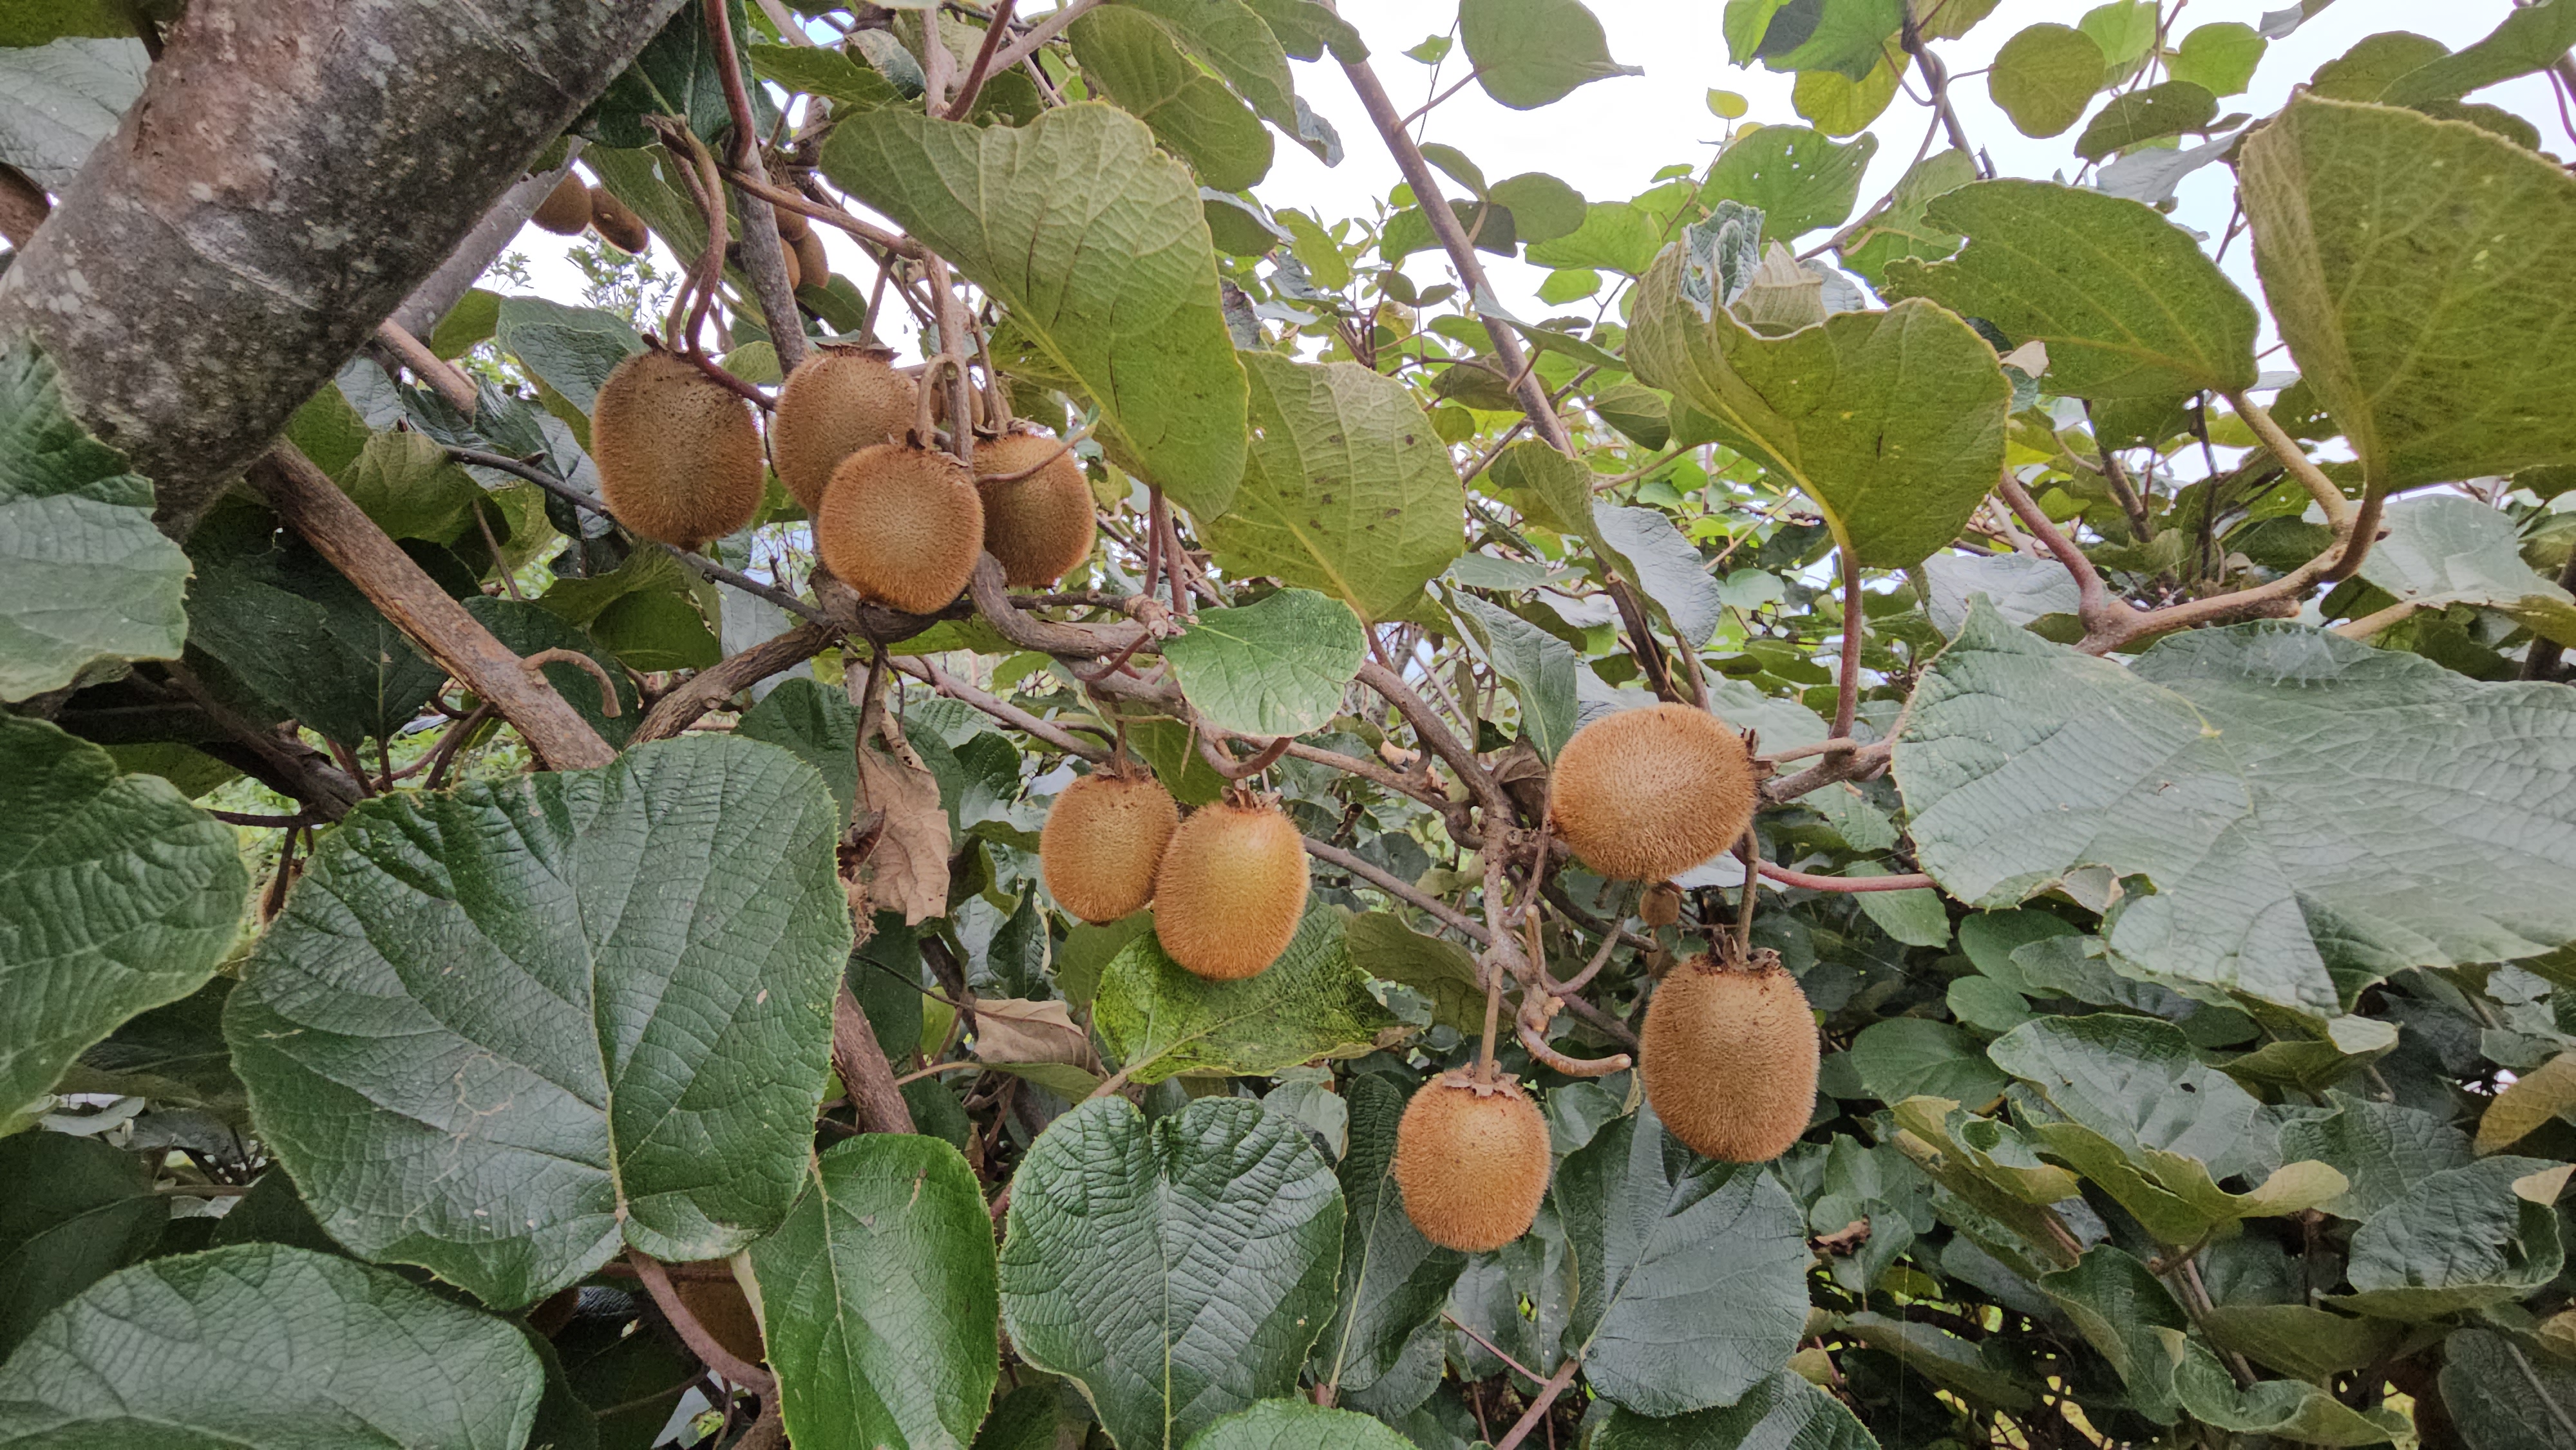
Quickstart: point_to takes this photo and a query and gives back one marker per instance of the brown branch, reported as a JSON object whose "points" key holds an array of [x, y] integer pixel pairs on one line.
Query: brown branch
{"points": [[1042, 32], [964, 105], [1003, 710], [23, 206], [1433, 734], [1222, 761], [2108, 620], [283, 764], [1847, 680], [987, 587], [2286, 449], [709, 1350], [861, 1062], [764, 256], [1397, 887], [1538, 1406], [719, 682], [314, 506], [1845, 884], [1936, 78], [438, 372]]}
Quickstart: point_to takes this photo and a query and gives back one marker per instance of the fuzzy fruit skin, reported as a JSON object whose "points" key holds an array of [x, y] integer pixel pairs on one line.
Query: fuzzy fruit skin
{"points": [[1102, 843], [1472, 1168], [1647, 794], [617, 223], [793, 225], [679, 457], [810, 257], [566, 209], [723, 1310], [1661, 905], [841, 400], [1231, 890], [795, 272], [1040, 526], [1730, 1059], [902, 526]]}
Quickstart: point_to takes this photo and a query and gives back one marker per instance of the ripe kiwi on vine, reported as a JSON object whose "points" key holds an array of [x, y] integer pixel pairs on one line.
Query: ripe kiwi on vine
{"points": [[1037, 523], [901, 525], [1231, 889], [838, 401], [1646, 794], [1103, 841], [1662, 904], [811, 260], [1471, 1158], [1729, 1055], [566, 209], [617, 223], [678, 453]]}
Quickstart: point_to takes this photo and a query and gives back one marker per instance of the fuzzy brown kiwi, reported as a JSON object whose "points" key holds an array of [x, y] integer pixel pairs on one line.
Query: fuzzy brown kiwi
{"points": [[901, 525], [725, 1311], [566, 209], [1103, 841], [1662, 905], [678, 455], [1231, 890], [812, 260], [840, 400], [1472, 1161], [1039, 526], [1729, 1055], [1647, 794], [617, 223], [792, 225], [795, 271]]}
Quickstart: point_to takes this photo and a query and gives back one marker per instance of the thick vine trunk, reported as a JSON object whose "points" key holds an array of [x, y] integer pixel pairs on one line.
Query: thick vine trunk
{"points": [[293, 169]]}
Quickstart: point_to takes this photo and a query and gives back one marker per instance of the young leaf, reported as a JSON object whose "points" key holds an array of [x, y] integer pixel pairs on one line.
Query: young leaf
{"points": [[2220, 56], [1528, 53], [613, 992], [1797, 178], [2045, 77]]}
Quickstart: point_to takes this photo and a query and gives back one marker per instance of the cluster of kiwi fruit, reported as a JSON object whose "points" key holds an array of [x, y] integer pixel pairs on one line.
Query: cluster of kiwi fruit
{"points": [[1228, 885], [574, 207]]}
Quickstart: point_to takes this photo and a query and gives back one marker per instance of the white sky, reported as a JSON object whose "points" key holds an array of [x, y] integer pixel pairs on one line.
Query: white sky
{"points": [[1608, 138]]}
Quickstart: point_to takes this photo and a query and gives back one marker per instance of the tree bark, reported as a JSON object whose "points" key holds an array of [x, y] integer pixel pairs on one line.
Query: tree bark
{"points": [[292, 170]]}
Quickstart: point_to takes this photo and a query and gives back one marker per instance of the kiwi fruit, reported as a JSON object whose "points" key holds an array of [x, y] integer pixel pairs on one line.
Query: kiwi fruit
{"points": [[812, 260], [617, 223], [1472, 1161], [1231, 890], [1729, 1054], [838, 401], [902, 526], [1102, 843], [1662, 905], [1647, 794], [795, 272], [678, 454], [566, 209], [725, 1311], [1039, 526], [792, 225]]}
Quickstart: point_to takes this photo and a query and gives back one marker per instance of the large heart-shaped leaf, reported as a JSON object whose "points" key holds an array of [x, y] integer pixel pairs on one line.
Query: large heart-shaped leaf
{"points": [[2417, 269], [116, 895], [2445, 549], [1275, 667], [1393, 1280], [1527, 53], [1235, 43], [2461, 1239], [260, 1344], [499, 1033], [1693, 1282], [1176, 1270], [1783, 1411], [2125, 301], [2382, 1149], [84, 577], [1348, 490], [77, 1210], [878, 1299], [1095, 242], [1893, 422], [1127, 56], [2382, 814], [1161, 1019]]}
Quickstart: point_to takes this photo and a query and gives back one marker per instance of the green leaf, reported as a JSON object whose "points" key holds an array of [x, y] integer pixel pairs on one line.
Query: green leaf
{"points": [[1160, 1020], [270, 1346], [2045, 77], [1347, 489], [1540, 668], [879, 1297], [1916, 918], [815, 724], [1693, 1286], [1176, 1270], [526, 629], [1906, 1057], [2126, 302], [1650, 551], [612, 990], [2301, 1340], [1542, 207], [1841, 106], [1297, 1425], [2127, 1314], [116, 895], [2291, 835], [404, 481], [1544, 485], [1098, 248], [1892, 422], [1949, 1362], [2150, 114], [2384, 1149], [1783, 1411], [677, 75], [1129, 57], [2022, 589], [36, 22], [2220, 56], [2365, 71], [1235, 43], [1306, 29], [2461, 1239], [2503, 1396], [2415, 269], [2125, 29], [77, 1210], [1393, 1280], [2288, 1409], [2531, 38], [61, 99], [85, 579], [1276, 667], [2443, 549], [826, 73], [1528, 53], [570, 349], [1849, 36], [1443, 971], [1799, 179], [1902, 229], [1615, 236]]}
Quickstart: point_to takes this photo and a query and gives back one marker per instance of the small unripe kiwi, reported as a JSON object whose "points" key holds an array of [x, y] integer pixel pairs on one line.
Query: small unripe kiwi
{"points": [[1039, 526], [1662, 906], [1102, 843], [1647, 794], [617, 223], [812, 260], [678, 455], [1231, 890], [1729, 1055], [566, 209], [840, 400], [902, 526], [1472, 1161]]}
